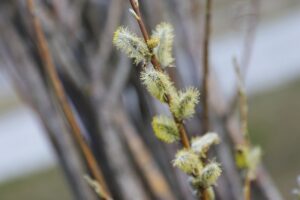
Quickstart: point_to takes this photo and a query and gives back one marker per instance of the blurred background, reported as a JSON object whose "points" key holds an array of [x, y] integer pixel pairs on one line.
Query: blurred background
{"points": [[28, 161]]}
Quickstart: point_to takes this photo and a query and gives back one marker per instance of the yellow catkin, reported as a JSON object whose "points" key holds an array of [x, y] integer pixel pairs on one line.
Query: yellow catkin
{"points": [[165, 129], [157, 83], [183, 105], [202, 144], [163, 50], [187, 161], [132, 45]]}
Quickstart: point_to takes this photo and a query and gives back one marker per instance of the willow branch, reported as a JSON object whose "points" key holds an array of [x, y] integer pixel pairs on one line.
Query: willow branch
{"points": [[205, 81], [247, 188], [182, 132], [243, 108], [62, 99], [248, 44], [243, 103]]}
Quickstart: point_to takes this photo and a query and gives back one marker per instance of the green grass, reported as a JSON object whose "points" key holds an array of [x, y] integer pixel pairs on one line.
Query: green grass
{"points": [[45, 185], [275, 124]]}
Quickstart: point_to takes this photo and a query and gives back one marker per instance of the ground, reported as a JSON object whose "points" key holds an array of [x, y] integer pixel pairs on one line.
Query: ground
{"points": [[46, 185]]}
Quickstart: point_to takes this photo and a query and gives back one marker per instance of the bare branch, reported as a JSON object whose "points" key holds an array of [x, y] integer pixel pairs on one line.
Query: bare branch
{"points": [[62, 98]]}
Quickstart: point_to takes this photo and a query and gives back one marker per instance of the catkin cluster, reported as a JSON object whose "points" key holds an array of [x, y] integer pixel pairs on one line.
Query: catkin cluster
{"points": [[181, 103], [202, 174]]}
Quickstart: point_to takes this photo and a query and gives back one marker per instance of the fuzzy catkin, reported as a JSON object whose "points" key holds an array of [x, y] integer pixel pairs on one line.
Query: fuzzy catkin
{"points": [[163, 51], [157, 83], [183, 105], [131, 44], [202, 144], [208, 176], [187, 161], [165, 129]]}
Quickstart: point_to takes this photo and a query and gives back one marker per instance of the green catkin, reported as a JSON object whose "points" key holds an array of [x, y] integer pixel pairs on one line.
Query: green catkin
{"points": [[202, 144], [254, 160], [209, 175], [248, 158], [131, 44], [163, 51], [187, 161], [153, 42], [165, 129], [183, 105], [157, 83]]}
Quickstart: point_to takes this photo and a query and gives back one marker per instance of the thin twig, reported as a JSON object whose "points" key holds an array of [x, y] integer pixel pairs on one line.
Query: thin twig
{"points": [[183, 134], [243, 108], [205, 195], [243, 103], [101, 56], [248, 43], [205, 81], [247, 188], [62, 99], [136, 8]]}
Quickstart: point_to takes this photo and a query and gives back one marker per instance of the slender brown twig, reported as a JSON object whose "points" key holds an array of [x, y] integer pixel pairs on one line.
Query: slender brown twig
{"points": [[247, 188], [183, 134], [243, 108], [243, 103], [205, 81], [63, 101], [205, 195]]}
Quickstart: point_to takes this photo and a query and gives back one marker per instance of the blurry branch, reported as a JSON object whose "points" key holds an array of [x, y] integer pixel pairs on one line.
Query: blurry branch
{"points": [[142, 157], [266, 184], [118, 82], [250, 34], [263, 180], [243, 103], [243, 108], [61, 18], [62, 99], [205, 65], [250, 154], [205, 78], [31, 88], [100, 58], [248, 44]]}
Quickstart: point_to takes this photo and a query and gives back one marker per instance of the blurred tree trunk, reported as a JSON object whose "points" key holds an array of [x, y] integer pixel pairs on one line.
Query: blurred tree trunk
{"points": [[112, 108]]}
